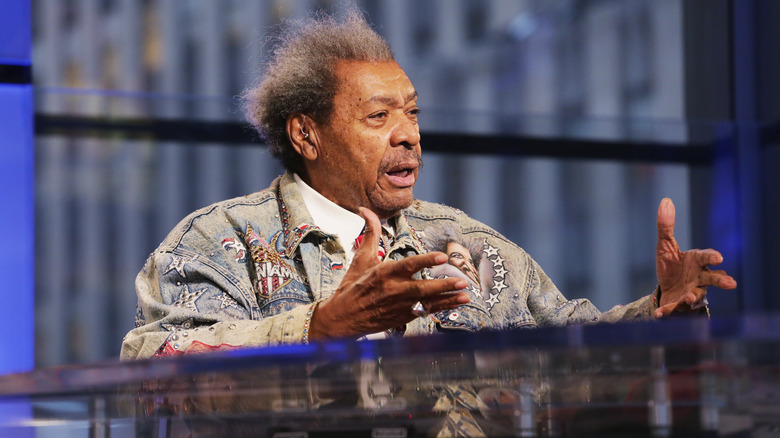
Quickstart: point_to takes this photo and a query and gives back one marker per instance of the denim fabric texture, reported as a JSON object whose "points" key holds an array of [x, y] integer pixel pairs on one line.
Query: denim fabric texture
{"points": [[227, 276]]}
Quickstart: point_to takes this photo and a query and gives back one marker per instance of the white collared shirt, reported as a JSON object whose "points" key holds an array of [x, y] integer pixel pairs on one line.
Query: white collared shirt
{"points": [[334, 219]]}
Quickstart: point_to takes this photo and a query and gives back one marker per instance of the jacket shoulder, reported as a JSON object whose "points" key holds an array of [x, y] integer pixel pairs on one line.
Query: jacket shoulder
{"points": [[422, 214], [222, 218], [431, 210]]}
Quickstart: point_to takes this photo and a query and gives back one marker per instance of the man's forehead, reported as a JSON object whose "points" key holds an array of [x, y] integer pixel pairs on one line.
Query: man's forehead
{"points": [[375, 81]]}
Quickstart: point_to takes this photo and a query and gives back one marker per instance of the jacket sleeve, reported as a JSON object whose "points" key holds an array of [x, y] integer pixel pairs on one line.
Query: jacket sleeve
{"points": [[550, 308], [188, 304]]}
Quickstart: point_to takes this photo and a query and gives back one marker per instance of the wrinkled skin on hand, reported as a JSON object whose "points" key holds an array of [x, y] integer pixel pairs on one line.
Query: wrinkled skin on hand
{"points": [[683, 276], [378, 295]]}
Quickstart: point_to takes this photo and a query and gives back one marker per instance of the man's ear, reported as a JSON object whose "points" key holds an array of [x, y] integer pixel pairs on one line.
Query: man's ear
{"points": [[300, 131]]}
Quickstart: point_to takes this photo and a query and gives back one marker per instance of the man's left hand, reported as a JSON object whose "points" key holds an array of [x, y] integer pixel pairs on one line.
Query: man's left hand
{"points": [[683, 277]]}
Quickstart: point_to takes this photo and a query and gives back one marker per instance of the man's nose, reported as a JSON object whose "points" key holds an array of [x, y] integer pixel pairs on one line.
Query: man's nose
{"points": [[406, 134]]}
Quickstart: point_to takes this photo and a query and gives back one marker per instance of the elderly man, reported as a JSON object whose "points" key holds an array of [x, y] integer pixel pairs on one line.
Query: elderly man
{"points": [[286, 264]]}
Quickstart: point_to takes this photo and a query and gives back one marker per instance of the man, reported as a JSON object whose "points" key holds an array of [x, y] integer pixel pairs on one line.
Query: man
{"points": [[289, 264]]}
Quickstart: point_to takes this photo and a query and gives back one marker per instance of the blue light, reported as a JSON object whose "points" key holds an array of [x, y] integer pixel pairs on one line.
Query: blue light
{"points": [[17, 340], [15, 32], [16, 228], [17, 336]]}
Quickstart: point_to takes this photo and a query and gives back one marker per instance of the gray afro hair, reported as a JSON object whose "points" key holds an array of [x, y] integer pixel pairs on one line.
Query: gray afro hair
{"points": [[300, 75]]}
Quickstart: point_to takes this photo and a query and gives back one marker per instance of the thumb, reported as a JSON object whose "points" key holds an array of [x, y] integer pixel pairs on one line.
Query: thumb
{"points": [[665, 221], [370, 245]]}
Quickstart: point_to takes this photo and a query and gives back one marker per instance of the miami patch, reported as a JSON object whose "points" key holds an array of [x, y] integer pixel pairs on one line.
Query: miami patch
{"points": [[271, 272]]}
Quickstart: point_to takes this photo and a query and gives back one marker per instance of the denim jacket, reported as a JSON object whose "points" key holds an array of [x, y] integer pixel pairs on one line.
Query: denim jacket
{"points": [[245, 272]]}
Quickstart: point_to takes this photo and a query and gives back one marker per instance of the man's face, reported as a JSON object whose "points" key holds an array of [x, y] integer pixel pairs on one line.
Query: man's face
{"points": [[369, 152], [460, 257]]}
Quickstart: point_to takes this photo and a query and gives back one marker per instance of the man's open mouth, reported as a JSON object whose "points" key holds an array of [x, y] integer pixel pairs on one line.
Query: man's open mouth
{"points": [[400, 173], [402, 176]]}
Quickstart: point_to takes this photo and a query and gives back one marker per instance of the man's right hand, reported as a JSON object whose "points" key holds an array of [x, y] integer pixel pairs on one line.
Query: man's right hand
{"points": [[375, 296]]}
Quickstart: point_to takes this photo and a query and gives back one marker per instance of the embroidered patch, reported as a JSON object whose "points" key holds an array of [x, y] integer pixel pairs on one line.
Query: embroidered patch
{"points": [[178, 263], [336, 266], [475, 260], [225, 300], [238, 248], [499, 273], [187, 298], [271, 272]]}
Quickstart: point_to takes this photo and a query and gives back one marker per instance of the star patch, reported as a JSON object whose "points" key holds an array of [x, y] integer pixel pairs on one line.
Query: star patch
{"points": [[228, 301], [499, 273], [238, 248], [187, 298], [178, 264]]}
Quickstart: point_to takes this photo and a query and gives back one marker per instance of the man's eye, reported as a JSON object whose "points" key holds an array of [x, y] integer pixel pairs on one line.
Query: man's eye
{"points": [[376, 116], [456, 255]]}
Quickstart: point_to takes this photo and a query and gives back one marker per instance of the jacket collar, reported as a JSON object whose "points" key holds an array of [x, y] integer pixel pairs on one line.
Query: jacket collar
{"points": [[296, 220], [299, 223], [405, 235]]}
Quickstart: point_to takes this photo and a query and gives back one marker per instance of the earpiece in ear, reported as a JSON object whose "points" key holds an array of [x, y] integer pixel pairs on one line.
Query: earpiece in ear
{"points": [[305, 134]]}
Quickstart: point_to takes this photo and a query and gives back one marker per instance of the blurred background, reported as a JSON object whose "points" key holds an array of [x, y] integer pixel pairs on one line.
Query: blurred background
{"points": [[560, 123]]}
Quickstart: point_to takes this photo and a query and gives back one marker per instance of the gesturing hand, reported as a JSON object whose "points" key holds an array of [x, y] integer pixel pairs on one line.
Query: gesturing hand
{"points": [[683, 276], [375, 296]]}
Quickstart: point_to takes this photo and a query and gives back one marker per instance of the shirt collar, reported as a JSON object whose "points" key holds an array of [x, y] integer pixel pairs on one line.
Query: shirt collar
{"points": [[330, 217]]}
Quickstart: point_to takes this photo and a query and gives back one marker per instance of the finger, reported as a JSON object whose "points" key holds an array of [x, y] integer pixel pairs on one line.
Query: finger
{"points": [[669, 309], [691, 304], [694, 296], [420, 290], [664, 310], [665, 220], [445, 302], [433, 289], [366, 253], [704, 257], [691, 300], [718, 279], [408, 266]]}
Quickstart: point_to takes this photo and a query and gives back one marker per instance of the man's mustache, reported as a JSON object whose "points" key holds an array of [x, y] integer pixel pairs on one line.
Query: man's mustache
{"points": [[402, 159]]}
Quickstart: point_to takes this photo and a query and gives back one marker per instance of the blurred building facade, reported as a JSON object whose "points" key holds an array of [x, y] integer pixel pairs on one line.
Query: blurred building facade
{"points": [[542, 67]]}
